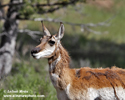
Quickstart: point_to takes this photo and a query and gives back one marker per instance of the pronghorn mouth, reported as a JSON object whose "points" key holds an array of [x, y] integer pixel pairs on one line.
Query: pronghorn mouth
{"points": [[40, 55], [36, 56], [33, 56], [46, 53]]}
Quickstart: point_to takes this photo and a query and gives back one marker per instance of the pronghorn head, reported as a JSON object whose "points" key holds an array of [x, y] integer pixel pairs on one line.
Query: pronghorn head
{"points": [[48, 43]]}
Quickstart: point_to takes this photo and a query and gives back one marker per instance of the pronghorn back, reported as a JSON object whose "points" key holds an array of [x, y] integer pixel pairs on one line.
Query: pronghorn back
{"points": [[78, 84], [103, 77]]}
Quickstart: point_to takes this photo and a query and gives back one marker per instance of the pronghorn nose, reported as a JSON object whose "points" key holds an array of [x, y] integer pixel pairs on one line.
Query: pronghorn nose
{"points": [[35, 50]]}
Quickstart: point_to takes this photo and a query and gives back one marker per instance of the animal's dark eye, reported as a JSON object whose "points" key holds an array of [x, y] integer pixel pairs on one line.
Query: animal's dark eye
{"points": [[51, 42]]}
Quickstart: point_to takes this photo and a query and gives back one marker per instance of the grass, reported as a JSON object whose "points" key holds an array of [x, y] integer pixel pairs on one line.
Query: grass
{"points": [[28, 76]]}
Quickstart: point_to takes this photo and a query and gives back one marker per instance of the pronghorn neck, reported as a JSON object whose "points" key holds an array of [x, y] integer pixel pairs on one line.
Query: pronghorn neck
{"points": [[60, 60]]}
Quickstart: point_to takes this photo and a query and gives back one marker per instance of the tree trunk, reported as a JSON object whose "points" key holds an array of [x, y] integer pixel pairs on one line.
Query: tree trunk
{"points": [[8, 40]]}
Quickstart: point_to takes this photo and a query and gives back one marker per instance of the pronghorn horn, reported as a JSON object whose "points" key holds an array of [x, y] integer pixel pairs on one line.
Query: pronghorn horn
{"points": [[60, 33], [45, 30]]}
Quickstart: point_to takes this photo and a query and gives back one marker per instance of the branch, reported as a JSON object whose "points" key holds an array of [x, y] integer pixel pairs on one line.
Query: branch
{"points": [[104, 23], [83, 26], [93, 31], [4, 33], [50, 10], [32, 34], [64, 3], [11, 4], [60, 5]]}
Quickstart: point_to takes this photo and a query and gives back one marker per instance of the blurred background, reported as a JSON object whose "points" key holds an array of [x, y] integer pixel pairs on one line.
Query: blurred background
{"points": [[94, 37]]}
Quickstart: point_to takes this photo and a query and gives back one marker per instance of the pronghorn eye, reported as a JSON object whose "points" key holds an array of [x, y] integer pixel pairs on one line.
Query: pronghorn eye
{"points": [[51, 42]]}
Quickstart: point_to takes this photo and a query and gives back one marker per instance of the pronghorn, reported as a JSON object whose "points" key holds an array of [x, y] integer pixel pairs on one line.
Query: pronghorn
{"points": [[78, 84]]}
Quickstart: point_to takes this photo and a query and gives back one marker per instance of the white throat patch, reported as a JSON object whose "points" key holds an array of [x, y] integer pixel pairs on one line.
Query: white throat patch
{"points": [[54, 77], [53, 64]]}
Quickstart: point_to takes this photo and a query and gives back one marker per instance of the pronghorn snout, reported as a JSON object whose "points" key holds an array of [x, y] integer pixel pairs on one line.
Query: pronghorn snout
{"points": [[35, 50]]}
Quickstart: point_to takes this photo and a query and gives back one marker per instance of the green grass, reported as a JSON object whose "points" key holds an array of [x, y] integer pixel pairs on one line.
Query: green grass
{"points": [[29, 76]]}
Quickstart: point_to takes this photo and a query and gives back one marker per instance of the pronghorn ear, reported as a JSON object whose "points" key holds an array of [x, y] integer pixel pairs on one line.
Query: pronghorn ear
{"points": [[45, 30], [60, 33]]}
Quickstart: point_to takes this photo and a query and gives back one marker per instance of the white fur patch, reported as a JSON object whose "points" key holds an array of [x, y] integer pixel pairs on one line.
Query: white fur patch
{"points": [[54, 79], [120, 93], [92, 94], [44, 53], [53, 64], [67, 89], [106, 93]]}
